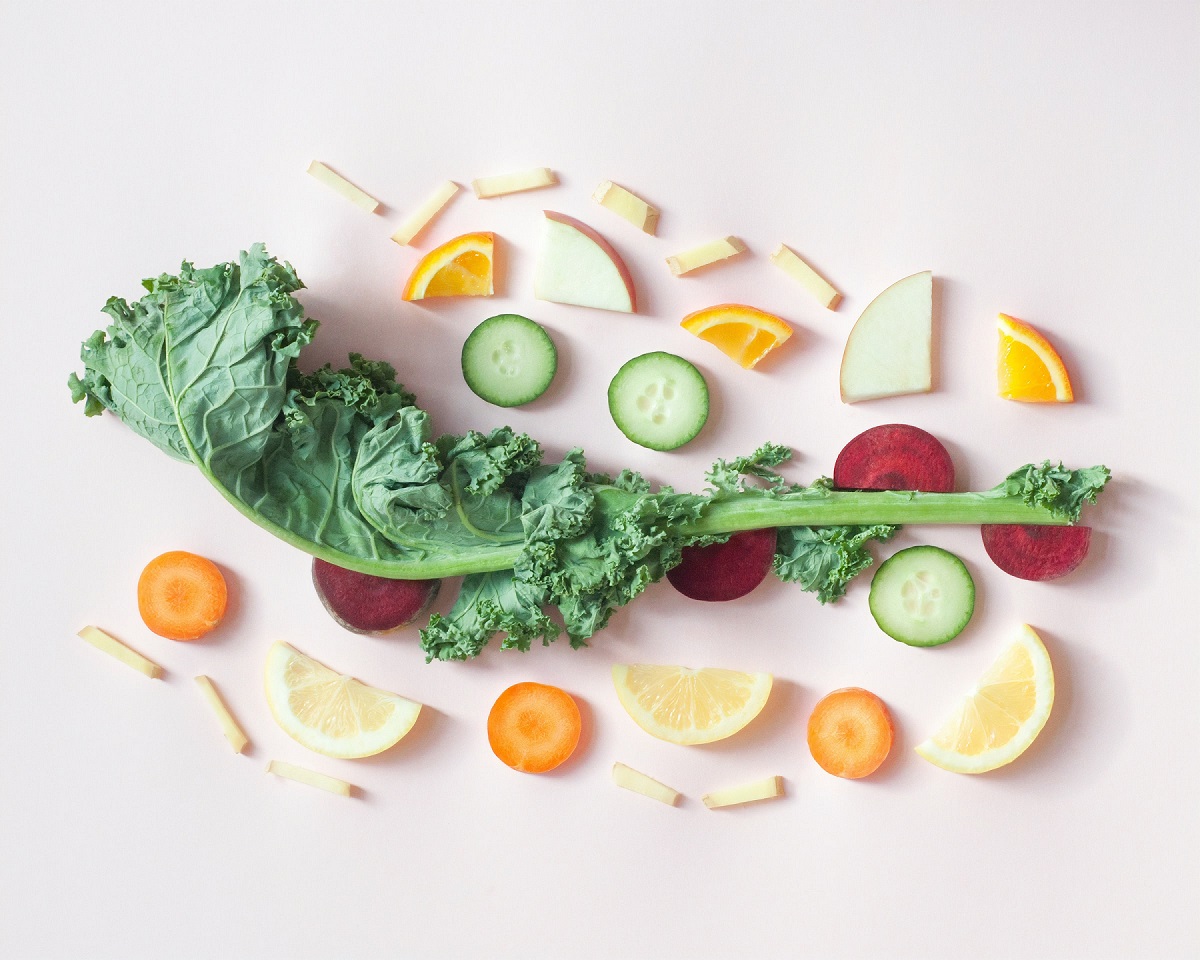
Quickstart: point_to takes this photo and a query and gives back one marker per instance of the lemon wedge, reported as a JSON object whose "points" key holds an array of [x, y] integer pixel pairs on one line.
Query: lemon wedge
{"points": [[687, 706], [331, 714], [998, 720]]}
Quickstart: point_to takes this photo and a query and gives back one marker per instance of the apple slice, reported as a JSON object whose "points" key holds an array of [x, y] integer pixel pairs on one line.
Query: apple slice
{"points": [[577, 266], [889, 350]]}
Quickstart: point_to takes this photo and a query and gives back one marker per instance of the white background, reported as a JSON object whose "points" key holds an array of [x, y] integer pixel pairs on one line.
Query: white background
{"points": [[1039, 158]]}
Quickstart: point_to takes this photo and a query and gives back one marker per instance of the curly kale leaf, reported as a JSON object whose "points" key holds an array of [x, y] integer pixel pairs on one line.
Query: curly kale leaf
{"points": [[487, 604], [1062, 491], [823, 560]]}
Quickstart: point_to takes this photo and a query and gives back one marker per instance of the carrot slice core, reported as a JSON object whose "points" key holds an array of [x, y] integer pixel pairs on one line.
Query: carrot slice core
{"points": [[534, 727], [850, 733]]}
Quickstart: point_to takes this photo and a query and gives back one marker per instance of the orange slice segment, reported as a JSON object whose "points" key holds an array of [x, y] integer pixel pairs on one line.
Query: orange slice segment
{"points": [[461, 267], [743, 333], [1028, 367]]}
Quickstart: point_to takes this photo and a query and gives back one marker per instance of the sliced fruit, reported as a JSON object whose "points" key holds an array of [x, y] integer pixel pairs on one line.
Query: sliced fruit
{"points": [[850, 733], [742, 333], [725, 571], [787, 260], [627, 205], [370, 605], [289, 771], [686, 706], [705, 255], [894, 456], [181, 596], [509, 360], [1028, 368], [332, 714], [889, 350], [630, 779], [1033, 552], [534, 727], [922, 596], [505, 183], [461, 267], [658, 400], [766, 789], [229, 727], [1002, 715], [116, 649], [577, 266], [342, 186], [425, 214]]}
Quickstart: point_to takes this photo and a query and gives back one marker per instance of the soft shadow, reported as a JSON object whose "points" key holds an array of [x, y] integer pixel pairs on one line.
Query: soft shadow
{"points": [[640, 286], [935, 359], [587, 732], [780, 712], [235, 604], [430, 730]]}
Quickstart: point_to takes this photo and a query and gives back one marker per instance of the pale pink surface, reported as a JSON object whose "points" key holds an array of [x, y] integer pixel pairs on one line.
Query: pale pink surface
{"points": [[1039, 158]]}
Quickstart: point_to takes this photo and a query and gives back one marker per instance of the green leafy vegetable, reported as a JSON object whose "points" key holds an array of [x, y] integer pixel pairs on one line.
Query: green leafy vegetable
{"points": [[343, 464]]}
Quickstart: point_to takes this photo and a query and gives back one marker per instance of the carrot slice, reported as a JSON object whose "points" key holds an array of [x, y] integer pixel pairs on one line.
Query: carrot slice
{"points": [[181, 596], [850, 733], [534, 727]]}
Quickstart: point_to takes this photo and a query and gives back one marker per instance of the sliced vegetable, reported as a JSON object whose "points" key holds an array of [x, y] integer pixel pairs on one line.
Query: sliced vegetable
{"points": [[1028, 367], [371, 605], [766, 789], [425, 214], [577, 266], [342, 186], [889, 351], [461, 267], [658, 400], [509, 360], [534, 727], [627, 205], [115, 648], [630, 779], [922, 596], [850, 733], [229, 726], [894, 456], [787, 260], [686, 706], [744, 334], [181, 596], [289, 771], [705, 255], [505, 183], [1036, 553], [725, 571]]}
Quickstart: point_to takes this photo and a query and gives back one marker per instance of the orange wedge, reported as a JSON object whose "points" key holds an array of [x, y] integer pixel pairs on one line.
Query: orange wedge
{"points": [[461, 267], [743, 333], [1028, 368]]}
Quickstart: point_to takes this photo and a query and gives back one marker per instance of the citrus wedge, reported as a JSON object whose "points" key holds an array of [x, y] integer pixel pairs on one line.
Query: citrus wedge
{"points": [[742, 333], [1028, 367], [461, 267], [686, 706], [329, 713], [1002, 715]]}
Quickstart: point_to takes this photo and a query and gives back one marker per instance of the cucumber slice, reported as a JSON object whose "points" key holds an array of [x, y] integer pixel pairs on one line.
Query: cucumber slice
{"points": [[922, 596], [658, 400], [509, 360]]}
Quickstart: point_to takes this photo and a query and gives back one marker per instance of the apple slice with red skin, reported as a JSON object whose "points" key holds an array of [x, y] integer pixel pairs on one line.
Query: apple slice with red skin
{"points": [[1033, 552], [577, 266], [725, 571], [372, 605], [894, 456]]}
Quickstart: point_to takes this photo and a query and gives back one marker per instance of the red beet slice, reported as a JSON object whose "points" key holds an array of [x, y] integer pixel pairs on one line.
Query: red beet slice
{"points": [[1034, 552], [894, 456], [366, 604], [725, 571]]}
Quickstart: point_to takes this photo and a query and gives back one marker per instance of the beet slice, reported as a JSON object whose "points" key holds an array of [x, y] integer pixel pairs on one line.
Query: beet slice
{"points": [[1034, 552], [725, 571], [365, 604], [894, 456]]}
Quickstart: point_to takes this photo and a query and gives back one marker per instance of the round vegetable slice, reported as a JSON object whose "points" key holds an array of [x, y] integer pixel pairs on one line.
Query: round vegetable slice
{"points": [[1033, 552], [658, 400], [509, 360], [894, 456], [181, 596], [922, 596], [725, 571], [372, 605], [533, 727], [850, 733]]}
